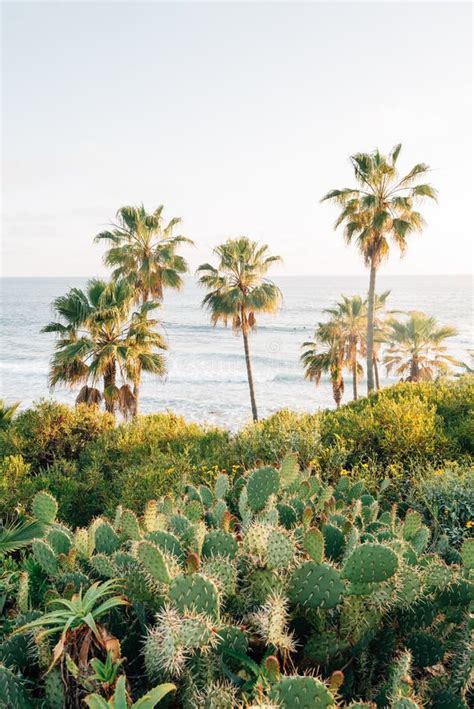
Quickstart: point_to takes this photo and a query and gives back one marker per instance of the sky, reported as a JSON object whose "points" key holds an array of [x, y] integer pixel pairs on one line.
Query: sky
{"points": [[238, 117]]}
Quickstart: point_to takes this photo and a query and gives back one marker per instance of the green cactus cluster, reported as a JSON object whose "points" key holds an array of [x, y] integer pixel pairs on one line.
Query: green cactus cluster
{"points": [[272, 589]]}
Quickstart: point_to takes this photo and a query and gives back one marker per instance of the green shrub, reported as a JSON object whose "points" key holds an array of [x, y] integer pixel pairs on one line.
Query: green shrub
{"points": [[14, 474], [270, 439], [406, 422], [51, 431], [399, 433], [446, 498]]}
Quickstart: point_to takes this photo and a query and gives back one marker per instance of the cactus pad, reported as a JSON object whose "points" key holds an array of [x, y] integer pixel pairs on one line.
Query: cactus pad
{"points": [[103, 566], [334, 541], [411, 525], [280, 550], [289, 470], [221, 486], [12, 691], [195, 593], [44, 507], [129, 525], [224, 574], [153, 560], [314, 544], [45, 557], [262, 483], [370, 563], [301, 692], [60, 540], [106, 539], [315, 586], [467, 554], [219, 543], [426, 650], [286, 515], [168, 542]]}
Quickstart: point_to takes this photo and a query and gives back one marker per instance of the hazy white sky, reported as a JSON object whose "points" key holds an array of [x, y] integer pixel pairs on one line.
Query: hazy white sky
{"points": [[237, 117]]}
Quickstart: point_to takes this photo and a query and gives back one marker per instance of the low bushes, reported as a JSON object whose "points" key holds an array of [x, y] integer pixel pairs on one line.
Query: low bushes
{"points": [[403, 433], [50, 432]]}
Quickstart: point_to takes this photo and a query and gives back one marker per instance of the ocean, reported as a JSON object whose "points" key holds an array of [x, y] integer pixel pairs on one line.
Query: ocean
{"points": [[206, 380]]}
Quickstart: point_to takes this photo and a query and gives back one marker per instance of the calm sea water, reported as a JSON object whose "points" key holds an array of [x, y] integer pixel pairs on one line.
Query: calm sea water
{"points": [[206, 378]]}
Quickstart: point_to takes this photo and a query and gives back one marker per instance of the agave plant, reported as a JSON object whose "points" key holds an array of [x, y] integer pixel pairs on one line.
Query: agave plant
{"points": [[19, 534], [76, 621]]}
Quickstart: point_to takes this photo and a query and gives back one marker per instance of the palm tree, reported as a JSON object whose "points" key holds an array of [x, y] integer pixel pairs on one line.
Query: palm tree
{"points": [[416, 348], [380, 210], [143, 340], [379, 331], [99, 340], [238, 291], [326, 353], [351, 316], [144, 251]]}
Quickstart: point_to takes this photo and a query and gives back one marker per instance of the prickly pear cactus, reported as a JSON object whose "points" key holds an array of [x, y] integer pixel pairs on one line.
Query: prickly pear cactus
{"points": [[195, 593], [154, 561], [237, 582], [45, 557], [106, 538], [316, 586], [262, 483], [370, 563], [12, 691], [304, 692], [467, 554], [44, 507], [314, 544], [54, 690]]}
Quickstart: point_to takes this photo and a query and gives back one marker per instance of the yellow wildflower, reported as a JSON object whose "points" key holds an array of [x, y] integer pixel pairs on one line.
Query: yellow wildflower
{"points": [[469, 524]]}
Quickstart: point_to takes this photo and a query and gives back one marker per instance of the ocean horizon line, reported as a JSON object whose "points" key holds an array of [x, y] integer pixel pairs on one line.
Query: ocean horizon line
{"points": [[284, 275]]}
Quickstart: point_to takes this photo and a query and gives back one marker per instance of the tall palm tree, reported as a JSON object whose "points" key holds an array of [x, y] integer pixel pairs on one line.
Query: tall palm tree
{"points": [[143, 251], [143, 341], [326, 353], [379, 331], [417, 348], [380, 210], [238, 291], [99, 341], [351, 316]]}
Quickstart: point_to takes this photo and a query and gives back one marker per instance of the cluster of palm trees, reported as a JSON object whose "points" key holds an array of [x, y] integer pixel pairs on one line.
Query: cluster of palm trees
{"points": [[341, 342], [107, 335], [414, 347]]}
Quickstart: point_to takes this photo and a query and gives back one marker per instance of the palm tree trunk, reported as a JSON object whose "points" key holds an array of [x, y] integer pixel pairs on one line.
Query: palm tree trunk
{"points": [[370, 329], [414, 370], [354, 370], [249, 374], [109, 381], [136, 394], [354, 381], [376, 374]]}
